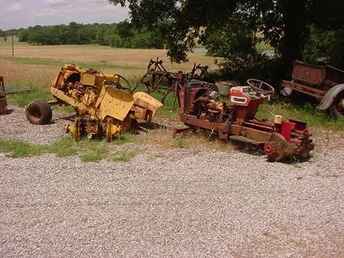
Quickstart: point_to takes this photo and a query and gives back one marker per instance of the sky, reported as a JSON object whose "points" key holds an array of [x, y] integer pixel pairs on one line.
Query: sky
{"points": [[25, 13]]}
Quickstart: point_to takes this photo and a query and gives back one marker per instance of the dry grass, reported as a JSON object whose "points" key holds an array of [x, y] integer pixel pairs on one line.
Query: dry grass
{"points": [[39, 64], [194, 141]]}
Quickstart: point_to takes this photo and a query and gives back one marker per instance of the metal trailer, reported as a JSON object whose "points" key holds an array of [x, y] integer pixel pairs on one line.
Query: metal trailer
{"points": [[323, 82]]}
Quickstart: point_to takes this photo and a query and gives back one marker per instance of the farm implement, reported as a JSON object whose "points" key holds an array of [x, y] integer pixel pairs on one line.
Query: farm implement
{"points": [[323, 83], [104, 104], [159, 80], [279, 139]]}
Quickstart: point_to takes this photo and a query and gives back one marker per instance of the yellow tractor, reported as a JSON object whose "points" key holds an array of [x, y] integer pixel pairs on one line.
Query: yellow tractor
{"points": [[104, 104]]}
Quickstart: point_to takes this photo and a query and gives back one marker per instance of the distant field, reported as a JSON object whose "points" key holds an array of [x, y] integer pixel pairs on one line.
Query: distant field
{"points": [[39, 64]]}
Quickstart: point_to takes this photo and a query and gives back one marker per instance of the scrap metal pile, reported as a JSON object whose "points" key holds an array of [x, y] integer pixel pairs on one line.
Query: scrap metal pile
{"points": [[104, 106]]}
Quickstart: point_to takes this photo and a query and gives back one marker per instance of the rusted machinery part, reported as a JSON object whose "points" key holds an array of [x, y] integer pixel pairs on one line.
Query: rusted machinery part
{"points": [[278, 149], [337, 108], [274, 152], [3, 106], [199, 72], [39, 113], [3, 101]]}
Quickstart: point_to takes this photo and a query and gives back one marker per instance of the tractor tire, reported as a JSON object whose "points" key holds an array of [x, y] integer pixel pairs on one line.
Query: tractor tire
{"points": [[337, 108], [39, 113]]}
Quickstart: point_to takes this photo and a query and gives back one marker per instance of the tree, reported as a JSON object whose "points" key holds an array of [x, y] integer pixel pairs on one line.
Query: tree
{"points": [[284, 23]]}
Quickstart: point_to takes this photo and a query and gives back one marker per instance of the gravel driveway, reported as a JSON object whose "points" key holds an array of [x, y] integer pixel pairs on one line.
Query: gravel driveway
{"points": [[177, 204]]}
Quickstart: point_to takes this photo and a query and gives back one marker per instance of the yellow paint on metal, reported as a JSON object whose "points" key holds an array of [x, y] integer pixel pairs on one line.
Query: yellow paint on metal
{"points": [[146, 101], [114, 103], [88, 79]]}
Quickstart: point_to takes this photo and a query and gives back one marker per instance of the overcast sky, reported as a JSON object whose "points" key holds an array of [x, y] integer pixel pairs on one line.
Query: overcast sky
{"points": [[24, 13]]}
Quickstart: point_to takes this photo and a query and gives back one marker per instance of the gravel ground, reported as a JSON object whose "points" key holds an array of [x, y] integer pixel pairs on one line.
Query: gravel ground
{"points": [[175, 204], [16, 126]]}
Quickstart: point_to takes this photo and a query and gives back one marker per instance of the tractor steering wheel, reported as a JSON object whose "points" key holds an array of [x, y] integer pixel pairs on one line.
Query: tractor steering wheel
{"points": [[261, 87]]}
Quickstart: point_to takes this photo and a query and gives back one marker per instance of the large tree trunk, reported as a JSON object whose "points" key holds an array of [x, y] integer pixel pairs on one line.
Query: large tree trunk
{"points": [[295, 31]]}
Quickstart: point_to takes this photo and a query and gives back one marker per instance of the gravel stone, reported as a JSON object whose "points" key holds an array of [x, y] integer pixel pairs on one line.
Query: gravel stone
{"points": [[16, 126], [175, 204]]}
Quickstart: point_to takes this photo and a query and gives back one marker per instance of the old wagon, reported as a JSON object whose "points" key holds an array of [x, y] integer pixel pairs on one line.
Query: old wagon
{"points": [[323, 82]]}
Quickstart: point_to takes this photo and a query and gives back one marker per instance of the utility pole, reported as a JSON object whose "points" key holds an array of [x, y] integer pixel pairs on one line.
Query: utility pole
{"points": [[12, 43]]}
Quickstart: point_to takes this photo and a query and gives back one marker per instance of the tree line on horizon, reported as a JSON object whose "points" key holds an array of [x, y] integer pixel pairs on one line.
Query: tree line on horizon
{"points": [[118, 35]]}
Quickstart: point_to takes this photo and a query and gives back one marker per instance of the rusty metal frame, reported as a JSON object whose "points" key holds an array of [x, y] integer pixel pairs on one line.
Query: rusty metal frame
{"points": [[3, 100]]}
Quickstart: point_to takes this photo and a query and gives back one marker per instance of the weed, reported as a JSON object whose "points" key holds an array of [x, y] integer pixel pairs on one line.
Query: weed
{"points": [[87, 150], [180, 143], [124, 156], [64, 147], [25, 98], [19, 149], [124, 139]]}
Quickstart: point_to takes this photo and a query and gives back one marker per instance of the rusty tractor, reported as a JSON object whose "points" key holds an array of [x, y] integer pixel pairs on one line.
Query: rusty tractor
{"points": [[237, 122], [104, 104], [3, 101], [159, 80], [323, 83]]}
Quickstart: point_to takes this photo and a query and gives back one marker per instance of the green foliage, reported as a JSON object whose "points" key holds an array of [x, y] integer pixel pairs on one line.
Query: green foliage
{"points": [[325, 46], [234, 38], [121, 35], [283, 23]]}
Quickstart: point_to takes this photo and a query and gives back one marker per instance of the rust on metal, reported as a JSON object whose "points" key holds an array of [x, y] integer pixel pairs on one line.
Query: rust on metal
{"points": [[158, 79], [322, 82], [236, 121], [3, 100], [104, 104]]}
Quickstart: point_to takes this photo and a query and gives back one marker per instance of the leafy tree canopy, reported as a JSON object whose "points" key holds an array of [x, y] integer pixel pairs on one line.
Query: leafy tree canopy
{"points": [[285, 24]]}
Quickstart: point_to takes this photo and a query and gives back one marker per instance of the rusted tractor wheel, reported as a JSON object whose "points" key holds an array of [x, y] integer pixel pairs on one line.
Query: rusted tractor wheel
{"points": [[273, 152], [39, 113], [337, 108]]}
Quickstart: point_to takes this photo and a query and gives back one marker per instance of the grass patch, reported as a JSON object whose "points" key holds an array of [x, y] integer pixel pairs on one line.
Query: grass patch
{"points": [[64, 147], [306, 113], [95, 154], [19, 149], [124, 156], [124, 139], [87, 150], [179, 142], [22, 99]]}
